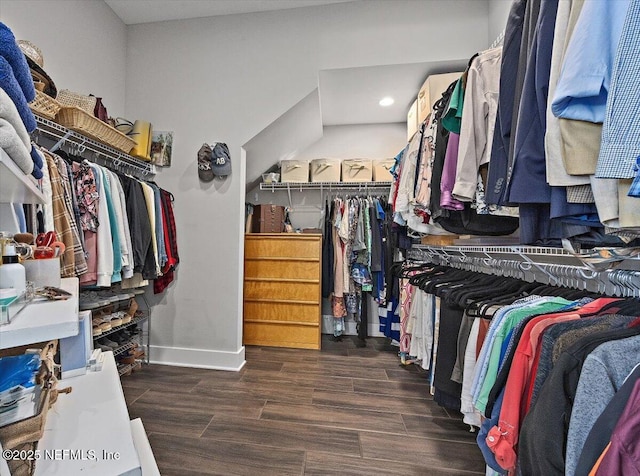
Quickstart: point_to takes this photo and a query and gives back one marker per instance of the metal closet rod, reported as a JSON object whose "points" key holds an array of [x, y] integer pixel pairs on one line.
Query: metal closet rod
{"points": [[617, 282]]}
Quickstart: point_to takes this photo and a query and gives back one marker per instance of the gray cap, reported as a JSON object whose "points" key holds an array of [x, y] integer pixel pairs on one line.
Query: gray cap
{"points": [[220, 159]]}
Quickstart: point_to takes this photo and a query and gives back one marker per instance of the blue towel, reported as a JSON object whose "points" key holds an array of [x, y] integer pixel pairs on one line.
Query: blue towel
{"points": [[12, 88], [37, 163], [10, 51]]}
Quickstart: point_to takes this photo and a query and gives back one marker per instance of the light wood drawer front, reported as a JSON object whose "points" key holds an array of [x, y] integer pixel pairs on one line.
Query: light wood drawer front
{"points": [[284, 248], [282, 335], [266, 268], [280, 311], [298, 291]]}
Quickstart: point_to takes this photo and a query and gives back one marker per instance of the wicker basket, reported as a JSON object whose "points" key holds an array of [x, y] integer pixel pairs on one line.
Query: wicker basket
{"points": [[70, 99], [44, 105], [78, 120], [24, 435]]}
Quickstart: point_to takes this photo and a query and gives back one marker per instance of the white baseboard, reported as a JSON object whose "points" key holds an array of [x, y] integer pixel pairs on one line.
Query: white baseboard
{"points": [[199, 358]]}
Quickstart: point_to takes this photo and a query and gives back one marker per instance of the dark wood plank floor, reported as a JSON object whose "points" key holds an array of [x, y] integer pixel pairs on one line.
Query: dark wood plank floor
{"points": [[344, 410]]}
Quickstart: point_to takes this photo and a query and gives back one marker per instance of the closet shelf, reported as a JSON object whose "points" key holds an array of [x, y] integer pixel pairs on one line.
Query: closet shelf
{"points": [[43, 321], [80, 144], [327, 186], [553, 266], [15, 186], [137, 320]]}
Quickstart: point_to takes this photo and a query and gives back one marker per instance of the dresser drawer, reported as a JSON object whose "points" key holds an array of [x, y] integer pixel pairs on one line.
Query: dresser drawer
{"points": [[295, 247], [281, 311], [272, 268], [281, 290], [281, 335]]}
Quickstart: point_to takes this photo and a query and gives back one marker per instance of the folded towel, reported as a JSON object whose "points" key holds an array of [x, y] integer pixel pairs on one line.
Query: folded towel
{"points": [[10, 85], [15, 149], [38, 161], [10, 50], [8, 112]]}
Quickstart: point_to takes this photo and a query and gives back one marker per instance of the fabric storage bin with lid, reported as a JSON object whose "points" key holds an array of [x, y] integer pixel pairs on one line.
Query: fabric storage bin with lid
{"points": [[357, 170], [325, 170], [382, 170], [294, 171]]}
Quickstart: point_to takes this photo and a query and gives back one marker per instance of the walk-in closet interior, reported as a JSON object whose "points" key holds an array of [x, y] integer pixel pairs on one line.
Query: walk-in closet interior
{"points": [[319, 237]]}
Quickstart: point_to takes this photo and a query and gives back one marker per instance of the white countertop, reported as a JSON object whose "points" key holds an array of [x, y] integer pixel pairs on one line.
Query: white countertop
{"points": [[43, 320]]}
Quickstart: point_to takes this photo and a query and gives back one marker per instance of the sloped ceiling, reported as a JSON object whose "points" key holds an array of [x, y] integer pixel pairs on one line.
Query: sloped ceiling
{"points": [[132, 12], [351, 95], [291, 133]]}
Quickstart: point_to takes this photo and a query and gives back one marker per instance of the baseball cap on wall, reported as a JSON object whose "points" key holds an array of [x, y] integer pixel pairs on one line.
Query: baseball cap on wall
{"points": [[220, 159], [204, 163]]}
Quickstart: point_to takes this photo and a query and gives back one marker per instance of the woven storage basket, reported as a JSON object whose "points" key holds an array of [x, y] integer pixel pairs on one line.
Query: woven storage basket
{"points": [[44, 105], [24, 435], [71, 99], [78, 120]]}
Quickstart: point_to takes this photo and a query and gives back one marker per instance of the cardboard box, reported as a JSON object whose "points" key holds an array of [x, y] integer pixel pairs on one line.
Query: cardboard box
{"points": [[412, 120], [431, 91], [382, 170], [357, 170], [325, 170], [296, 171]]}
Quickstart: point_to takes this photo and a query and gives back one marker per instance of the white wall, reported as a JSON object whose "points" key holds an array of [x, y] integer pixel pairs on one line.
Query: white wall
{"points": [[83, 44], [498, 14], [227, 79]]}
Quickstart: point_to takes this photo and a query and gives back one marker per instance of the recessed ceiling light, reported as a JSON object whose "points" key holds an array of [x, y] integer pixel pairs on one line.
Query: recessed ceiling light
{"points": [[386, 101]]}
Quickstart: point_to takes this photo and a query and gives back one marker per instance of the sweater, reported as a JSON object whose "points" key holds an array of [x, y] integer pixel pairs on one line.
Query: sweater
{"points": [[12, 88], [10, 142], [12, 53], [603, 373]]}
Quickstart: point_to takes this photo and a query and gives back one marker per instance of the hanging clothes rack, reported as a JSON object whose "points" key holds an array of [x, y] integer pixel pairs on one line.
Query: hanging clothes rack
{"points": [[329, 187], [59, 137], [553, 266]]}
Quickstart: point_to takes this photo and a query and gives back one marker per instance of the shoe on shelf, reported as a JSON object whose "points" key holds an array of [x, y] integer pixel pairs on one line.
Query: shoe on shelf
{"points": [[105, 318], [133, 308], [103, 347], [108, 342], [96, 329], [89, 300], [100, 323], [120, 337], [116, 318], [128, 359]]}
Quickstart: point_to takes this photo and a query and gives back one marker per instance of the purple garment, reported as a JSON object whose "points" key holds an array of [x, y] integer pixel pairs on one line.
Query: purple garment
{"points": [[623, 456], [449, 175]]}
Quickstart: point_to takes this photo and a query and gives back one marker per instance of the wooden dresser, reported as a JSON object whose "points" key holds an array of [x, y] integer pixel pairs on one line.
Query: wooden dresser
{"points": [[282, 290]]}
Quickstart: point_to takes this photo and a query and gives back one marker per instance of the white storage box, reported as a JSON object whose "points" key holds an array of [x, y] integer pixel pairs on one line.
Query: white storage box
{"points": [[294, 171], [412, 120], [382, 170], [431, 91], [357, 170], [325, 170]]}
